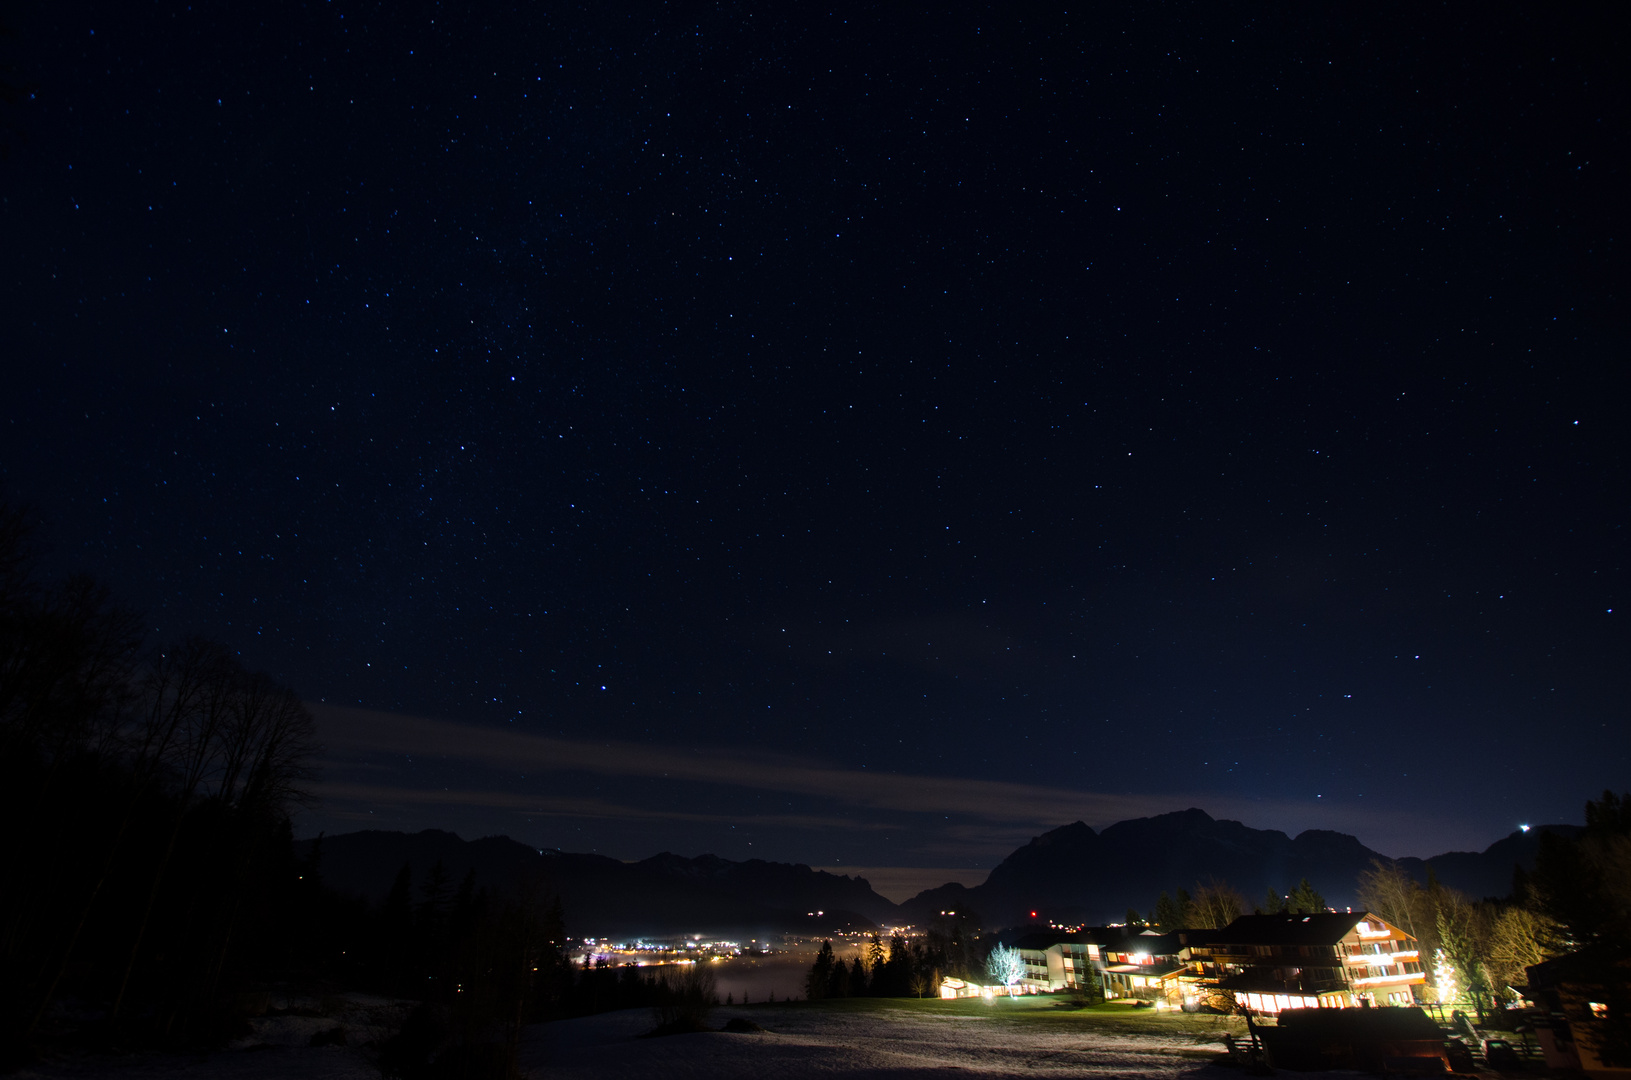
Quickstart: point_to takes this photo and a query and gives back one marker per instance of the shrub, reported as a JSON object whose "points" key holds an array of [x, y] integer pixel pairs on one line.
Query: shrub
{"points": [[685, 996]]}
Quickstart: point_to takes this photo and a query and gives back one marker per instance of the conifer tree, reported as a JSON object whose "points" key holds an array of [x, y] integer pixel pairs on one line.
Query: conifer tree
{"points": [[838, 980], [1169, 914], [434, 895], [875, 954], [857, 977], [819, 976], [1304, 900]]}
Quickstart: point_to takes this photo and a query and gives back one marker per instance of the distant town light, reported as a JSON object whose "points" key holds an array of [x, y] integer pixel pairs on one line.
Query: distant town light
{"points": [[1523, 828]]}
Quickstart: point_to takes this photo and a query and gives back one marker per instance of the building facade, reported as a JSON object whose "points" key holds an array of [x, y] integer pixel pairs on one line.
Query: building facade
{"points": [[1329, 960]]}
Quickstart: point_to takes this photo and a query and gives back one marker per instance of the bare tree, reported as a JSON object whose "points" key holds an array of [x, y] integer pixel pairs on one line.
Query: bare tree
{"points": [[195, 719], [1005, 966], [171, 692], [1386, 889], [243, 741], [1517, 939], [1215, 905]]}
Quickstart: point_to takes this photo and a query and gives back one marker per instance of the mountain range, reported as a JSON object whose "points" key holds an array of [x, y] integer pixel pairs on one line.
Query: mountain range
{"points": [[1072, 874], [664, 895]]}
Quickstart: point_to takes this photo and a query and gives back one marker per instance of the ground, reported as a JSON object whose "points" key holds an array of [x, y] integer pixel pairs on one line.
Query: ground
{"points": [[898, 1039], [853, 1039]]}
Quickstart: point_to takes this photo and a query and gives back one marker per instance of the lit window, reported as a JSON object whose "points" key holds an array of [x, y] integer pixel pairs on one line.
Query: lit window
{"points": [[1599, 1010]]}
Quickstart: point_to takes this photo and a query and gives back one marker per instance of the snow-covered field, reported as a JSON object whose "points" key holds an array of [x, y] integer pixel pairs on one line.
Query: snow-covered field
{"points": [[898, 1040], [863, 1039]]}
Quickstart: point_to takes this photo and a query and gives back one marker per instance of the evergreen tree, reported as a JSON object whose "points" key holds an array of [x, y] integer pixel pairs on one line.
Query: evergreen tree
{"points": [[1583, 886], [838, 980], [897, 969], [1169, 914], [1304, 900], [875, 953], [1273, 903], [820, 974], [434, 896]]}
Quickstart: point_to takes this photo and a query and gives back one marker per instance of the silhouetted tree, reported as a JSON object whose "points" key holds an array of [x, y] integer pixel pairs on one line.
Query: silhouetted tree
{"points": [[1215, 906], [819, 977], [1169, 913], [1304, 900], [838, 979], [1582, 885], [857, 977]]}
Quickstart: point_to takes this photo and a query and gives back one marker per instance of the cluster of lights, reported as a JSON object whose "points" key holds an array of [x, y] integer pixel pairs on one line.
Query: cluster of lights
{"points": [[687, 952], [1444, 976]]}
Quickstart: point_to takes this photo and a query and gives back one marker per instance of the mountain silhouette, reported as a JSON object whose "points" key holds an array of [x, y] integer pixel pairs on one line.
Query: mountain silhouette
{"points": [[664, 895], [1072, 874]]}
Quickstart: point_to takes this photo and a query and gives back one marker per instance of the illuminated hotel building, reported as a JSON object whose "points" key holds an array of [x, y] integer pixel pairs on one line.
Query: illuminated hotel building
{"points": [[1329, 960]]}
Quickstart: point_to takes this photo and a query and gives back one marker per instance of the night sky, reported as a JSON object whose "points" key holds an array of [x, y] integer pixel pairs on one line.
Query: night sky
{"points": [[864, 437]]}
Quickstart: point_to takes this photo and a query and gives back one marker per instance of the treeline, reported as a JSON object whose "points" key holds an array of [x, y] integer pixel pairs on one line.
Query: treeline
{"points": [[151, 894], [952, 947], [145, 791], [481, 962], [1215, 904]]}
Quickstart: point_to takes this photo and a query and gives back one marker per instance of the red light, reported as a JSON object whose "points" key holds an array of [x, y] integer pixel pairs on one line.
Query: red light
{"points": [[1033, 914]]}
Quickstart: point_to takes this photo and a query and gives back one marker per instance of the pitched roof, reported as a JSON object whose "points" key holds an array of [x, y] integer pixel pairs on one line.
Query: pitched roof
{"points": [[1042, 940], [1154, 944], [1327, 928]]}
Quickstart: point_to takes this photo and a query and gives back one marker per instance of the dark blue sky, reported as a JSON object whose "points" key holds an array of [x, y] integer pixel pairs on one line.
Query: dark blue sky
{"points": [[919, 429]]}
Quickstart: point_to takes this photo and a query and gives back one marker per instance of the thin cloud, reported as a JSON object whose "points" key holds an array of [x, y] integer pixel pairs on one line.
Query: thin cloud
{"points": [[976, 811], [363, 732], [398, 797]]}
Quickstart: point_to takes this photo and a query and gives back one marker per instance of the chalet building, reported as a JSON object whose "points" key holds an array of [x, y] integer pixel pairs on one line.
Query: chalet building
{"points": [[1329, 960]]}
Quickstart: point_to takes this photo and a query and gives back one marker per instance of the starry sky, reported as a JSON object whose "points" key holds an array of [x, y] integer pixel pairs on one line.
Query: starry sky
{"points": [[865, 437]]}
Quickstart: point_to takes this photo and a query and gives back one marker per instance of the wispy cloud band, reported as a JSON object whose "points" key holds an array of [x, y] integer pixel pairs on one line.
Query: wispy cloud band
{"points": [[978, 815]]}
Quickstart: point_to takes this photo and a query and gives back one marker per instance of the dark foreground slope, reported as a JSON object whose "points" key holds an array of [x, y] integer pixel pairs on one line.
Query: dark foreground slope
{"points": [[1076, 874], [665, 894]]}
